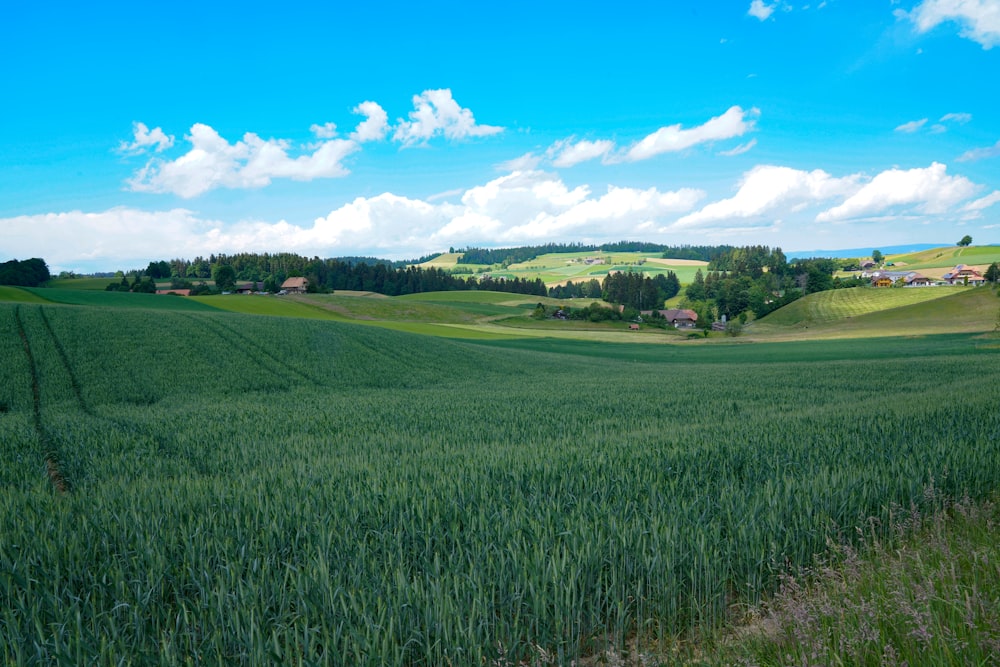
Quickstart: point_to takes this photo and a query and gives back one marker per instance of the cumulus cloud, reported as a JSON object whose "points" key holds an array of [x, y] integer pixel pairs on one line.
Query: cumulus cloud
{"points": [[927, 190], [735, 122], [436, 113], [760, 10], [770, 189], [104, 240], [252, 162], [979, 19], [980, 153], [515, 208], [144, 138], [568, 153], [912, 126], [375, 125]]}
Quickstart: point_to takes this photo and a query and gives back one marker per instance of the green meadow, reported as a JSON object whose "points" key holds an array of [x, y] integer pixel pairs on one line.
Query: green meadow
{"points": [[555, 268], [203, 486]]}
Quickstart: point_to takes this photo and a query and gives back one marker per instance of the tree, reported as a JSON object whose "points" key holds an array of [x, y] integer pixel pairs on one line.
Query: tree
{"points": [[877, 256], [992, 274], [966, 241], [225, 278]]}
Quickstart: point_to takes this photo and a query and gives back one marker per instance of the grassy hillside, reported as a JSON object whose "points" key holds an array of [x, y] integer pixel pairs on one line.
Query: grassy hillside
{"points": [[834, 305], [556, 268], [225, 488], [946, 258]]}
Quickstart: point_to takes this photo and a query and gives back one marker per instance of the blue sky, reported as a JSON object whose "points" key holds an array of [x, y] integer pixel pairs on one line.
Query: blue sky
{"points": [[131, 133]]}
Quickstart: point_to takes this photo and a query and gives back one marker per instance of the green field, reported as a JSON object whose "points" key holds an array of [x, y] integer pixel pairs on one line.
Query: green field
{"points": [[946, 258], [118, 299], [555, 268], [92, 284], [864, 312], [17, 294], [185, 487]]}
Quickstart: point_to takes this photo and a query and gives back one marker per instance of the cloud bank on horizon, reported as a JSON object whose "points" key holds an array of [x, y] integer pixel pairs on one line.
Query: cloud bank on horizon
{"points": [[754, 168]]}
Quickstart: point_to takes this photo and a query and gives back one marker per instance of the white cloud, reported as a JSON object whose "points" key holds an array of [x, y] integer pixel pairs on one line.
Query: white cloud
{"points": [[739, 150], [767, 189], [760, 10], [960, 118], [252, 162], [526, 162], [434, 113], [567, 153], [105, 240], [912, 126], [983, 202], [325, 131], [980, 153], [145, 138], [735, 122], [979, 19], [375, 125], [927, 190]]}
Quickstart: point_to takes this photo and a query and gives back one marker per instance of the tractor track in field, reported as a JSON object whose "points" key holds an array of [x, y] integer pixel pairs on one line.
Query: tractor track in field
{"points": [[73, 383], [228, 333], [52, 468]]}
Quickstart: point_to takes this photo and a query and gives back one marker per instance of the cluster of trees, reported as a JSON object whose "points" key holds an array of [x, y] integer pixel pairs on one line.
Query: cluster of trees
{"points": [[638, 291], [24, 273], [589, 289]]}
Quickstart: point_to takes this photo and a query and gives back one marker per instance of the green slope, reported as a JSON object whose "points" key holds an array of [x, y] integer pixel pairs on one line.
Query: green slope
{"points": [[20, 295], [127, 300], [834, 305], [865, 312]]}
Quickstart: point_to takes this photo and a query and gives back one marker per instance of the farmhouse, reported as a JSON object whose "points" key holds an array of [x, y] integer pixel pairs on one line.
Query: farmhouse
{"points": [[179, 292], [246, 288], [293, 285], [964, 275], [680, 318], [917, 280]]}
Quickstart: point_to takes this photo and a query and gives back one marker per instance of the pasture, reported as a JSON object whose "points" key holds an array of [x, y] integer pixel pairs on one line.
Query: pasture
{"points": [[218, 488]]}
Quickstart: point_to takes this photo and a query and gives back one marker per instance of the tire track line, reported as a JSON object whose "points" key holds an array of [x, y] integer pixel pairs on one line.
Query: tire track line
{"points": [[58, 480]]}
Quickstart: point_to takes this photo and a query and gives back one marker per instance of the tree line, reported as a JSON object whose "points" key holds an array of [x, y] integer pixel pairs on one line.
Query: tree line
{"points": [[269, 271], [508, 256]]}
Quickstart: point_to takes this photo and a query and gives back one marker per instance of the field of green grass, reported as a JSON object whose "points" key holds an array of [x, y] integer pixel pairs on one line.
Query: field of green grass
{"points": [[104, 299], [19, 295], [556, 268], [946, 258], [961, 309], [93, 284], [211, 487], [836, 305]]}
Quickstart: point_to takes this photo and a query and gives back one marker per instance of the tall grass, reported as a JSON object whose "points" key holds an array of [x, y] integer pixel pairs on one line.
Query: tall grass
{"points": [[929, 598]]}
